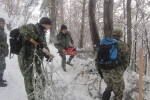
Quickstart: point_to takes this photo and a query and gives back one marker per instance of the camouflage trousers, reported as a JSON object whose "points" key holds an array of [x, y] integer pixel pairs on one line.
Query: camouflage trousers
{"points": [[30, 80], [2, 63], [64, 59], [114, 81]]}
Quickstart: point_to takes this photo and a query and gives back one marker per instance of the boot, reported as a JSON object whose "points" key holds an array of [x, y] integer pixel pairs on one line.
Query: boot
{"points": [[70, 59], [2, 83], [68, 62], [106, 95]]}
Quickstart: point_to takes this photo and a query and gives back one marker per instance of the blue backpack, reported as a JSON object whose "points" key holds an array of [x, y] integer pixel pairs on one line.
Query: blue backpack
{"points": [[108, 53]]}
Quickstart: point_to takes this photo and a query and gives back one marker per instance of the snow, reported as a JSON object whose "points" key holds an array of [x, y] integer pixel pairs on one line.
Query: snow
{"points": [[70, 85], [15, 89]]}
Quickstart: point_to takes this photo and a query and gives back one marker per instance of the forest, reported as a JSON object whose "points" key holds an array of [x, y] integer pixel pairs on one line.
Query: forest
{"points": [[89, 21]]}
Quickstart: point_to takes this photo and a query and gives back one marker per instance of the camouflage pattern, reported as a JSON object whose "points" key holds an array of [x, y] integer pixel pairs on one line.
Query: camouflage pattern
{"points": [[114, 77], [64, 41], [118, 32], [3, 50], [30, 57]]}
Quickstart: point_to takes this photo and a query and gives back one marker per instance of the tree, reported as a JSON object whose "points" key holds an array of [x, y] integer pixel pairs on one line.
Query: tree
{"points": [[129, 34], [108, 18], [82, 24], [53, 18], [92, 22]]}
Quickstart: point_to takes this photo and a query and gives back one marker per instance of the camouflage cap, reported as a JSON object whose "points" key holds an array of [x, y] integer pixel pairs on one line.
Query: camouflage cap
{"points": [[117, 32]]}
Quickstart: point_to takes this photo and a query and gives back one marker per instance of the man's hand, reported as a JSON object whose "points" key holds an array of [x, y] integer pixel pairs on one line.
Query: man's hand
{"points": [[34, 42], [64, 51]]}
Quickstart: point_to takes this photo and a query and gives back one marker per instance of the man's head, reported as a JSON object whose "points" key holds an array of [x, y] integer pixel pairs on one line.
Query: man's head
{"points": [[46, 23], [117, 33], [64, 29], [2, 22]]}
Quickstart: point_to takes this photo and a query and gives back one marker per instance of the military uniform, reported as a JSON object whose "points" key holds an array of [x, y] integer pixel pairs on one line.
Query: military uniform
{"points": [[114, 77], [30, 57], [3, 54], [64, 41]]}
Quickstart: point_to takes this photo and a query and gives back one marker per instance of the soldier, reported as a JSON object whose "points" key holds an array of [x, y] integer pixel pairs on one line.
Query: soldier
{"points": [[31, 54], [114, 77], [64, 41], [3, 51]]}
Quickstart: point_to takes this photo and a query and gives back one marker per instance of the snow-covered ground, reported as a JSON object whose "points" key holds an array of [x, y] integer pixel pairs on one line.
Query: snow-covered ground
{"points": [[76, 88], [70, 85], [15, 89]]}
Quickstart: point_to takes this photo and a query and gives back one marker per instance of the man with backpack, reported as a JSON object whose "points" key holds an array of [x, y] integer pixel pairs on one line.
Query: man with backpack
{"points": [[34, 49], [3, 51], [112, 60], [64, 41]]}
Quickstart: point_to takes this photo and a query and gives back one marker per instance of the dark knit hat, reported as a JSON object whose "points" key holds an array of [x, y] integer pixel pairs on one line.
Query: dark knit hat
{"points": [[63, 27], [2, 21], [45, 20]]}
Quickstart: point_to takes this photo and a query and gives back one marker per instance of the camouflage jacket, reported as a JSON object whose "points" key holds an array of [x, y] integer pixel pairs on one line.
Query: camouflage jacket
{"points": [[64, 41], [123, 55], [3, 41], [31, 31]]}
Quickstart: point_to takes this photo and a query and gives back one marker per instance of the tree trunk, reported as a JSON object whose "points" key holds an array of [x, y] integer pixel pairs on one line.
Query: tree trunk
{"points": [[129, 34], [62, 13], [82, 25], [53, 18], [108, 18], [92, 22]]}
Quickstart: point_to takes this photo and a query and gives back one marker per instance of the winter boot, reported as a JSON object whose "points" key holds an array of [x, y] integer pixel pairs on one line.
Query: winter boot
{"points": [[2, 83], [68, 62], [106, 95]]}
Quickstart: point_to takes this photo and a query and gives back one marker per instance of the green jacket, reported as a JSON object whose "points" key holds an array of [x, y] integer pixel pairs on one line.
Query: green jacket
{"points": [[31, 31], [64, 41], [3, 41]]}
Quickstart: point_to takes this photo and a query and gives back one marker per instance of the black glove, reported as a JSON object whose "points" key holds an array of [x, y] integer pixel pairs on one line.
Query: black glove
{"points": [[40, 46], [48, 58]]}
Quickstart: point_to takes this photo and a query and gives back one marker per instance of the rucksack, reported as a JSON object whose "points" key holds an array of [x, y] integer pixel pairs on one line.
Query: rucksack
{"points": [[108, 53], [15, 41]]}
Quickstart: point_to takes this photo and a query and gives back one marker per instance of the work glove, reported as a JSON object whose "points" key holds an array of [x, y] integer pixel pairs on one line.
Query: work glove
{"points": [[64, 51], [48, 58], [40, 46]]}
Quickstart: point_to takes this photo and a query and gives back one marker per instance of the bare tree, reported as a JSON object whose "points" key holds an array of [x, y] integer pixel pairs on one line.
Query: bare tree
{"points": [[82, 25], [108, 18], [92, 22], [53, 18], [129, 34]]}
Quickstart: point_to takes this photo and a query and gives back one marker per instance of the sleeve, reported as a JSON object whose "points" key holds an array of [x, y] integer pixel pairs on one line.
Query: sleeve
{"points": [[58, 43]]}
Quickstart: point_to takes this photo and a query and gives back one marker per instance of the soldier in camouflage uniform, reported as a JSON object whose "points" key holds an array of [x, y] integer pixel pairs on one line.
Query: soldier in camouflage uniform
{"points": [[114, 77], [31, 54], [64, 41], [3, 52]]}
